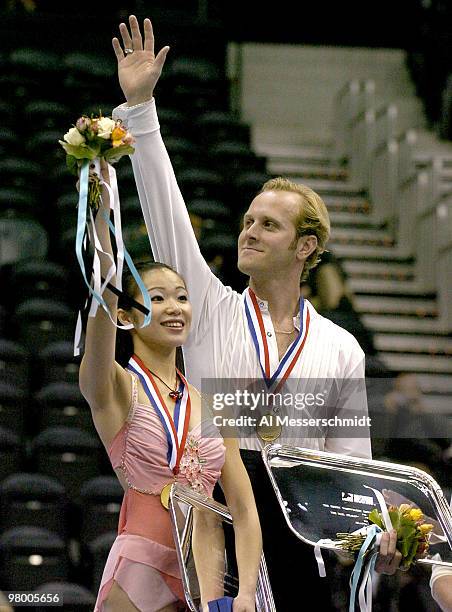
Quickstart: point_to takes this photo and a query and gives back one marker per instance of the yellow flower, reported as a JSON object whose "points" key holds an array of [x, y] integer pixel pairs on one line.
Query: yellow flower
{"points": [[404, 508], [415, 514], [425, 528], [117, 135]]}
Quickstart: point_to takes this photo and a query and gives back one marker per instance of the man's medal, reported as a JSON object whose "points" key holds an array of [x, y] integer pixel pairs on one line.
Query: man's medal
{"points": [[269, 427]]}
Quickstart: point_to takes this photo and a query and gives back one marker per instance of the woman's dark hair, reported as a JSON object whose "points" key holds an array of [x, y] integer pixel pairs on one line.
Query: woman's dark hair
{"points": [[124, 343]]}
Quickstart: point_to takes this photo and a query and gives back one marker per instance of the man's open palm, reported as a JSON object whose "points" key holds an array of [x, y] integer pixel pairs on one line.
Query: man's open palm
{"points": [[138, 71]]}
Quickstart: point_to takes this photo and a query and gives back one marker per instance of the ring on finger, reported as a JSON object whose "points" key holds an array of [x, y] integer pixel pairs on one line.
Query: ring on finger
{"points": [[128, 50]]}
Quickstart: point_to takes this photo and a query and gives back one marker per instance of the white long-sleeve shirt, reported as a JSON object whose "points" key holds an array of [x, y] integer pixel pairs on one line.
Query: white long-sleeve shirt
{"points": [[220, 344]]}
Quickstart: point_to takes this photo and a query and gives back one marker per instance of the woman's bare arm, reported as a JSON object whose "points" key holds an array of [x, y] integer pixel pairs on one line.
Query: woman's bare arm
{"points": [[103, 382], [248, 537]]}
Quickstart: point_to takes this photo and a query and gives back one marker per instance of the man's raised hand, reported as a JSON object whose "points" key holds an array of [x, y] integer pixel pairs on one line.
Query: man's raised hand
{"points": [[138, 71]]}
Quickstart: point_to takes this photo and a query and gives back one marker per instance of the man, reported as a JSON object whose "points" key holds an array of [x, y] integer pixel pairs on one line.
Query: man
{"points": [[267, 333]]}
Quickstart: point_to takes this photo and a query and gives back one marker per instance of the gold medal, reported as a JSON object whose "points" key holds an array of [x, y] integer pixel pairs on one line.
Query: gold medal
{"points": [[268, 429], [165, 494]]}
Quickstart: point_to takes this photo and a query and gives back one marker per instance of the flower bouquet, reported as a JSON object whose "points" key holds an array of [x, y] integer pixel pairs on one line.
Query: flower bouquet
{"points": [[413, 533], [91, 138], [87, 143]]}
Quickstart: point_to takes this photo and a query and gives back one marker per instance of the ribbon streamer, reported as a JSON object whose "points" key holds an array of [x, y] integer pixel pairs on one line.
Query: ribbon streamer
{"points": [[384, 510], [362, 566], [366, 568], [365, 592], [86, 228], [318, 555]]}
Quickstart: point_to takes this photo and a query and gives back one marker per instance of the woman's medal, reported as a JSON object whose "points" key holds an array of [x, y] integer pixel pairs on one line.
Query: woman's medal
{"points": [[165, 495], [269, 428], [175, 428]]}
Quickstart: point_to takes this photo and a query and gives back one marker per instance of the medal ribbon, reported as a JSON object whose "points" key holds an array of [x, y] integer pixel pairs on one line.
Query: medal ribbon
{"points": [[257, 330], [176, 429]]}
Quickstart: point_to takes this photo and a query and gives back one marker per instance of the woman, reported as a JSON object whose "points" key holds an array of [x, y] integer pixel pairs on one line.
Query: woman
{"points": [[142, 571]]}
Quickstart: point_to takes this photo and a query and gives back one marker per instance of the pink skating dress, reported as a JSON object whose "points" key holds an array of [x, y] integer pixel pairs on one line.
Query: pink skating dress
{"points": [[143, 559]]}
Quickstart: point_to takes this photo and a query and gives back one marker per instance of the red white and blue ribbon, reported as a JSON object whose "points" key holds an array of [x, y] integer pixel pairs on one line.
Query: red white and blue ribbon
{"points": [[176, 428], [256, 327]]}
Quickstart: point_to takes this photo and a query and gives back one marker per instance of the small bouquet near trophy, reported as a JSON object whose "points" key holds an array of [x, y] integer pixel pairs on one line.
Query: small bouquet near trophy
{"points": [[89, 141], [413, 535]]}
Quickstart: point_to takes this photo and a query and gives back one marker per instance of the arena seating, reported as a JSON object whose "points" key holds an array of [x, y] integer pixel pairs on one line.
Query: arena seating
{"points": [[59, 498]]}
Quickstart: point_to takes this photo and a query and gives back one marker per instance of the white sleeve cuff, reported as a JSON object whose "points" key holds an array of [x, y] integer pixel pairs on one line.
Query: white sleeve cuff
{"points": [[438, 571], [138, 119]]}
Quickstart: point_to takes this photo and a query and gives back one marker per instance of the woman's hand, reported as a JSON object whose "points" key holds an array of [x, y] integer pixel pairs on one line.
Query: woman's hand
{"points": [[244, 603], [139, 71]]}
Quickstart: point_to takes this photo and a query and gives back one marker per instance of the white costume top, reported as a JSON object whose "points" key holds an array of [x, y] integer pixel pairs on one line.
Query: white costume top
{"points": [[220, 344]]}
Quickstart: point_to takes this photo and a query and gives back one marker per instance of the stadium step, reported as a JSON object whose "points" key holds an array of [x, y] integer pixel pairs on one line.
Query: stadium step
{"points": [[402, 324], [324, 187], [353, 205], [361, 236], [376, 253], [378, 270], [351, 219], [417, 363], [317, 155], [402, 343], [308, 171], [416, 307], [386, 287], [437, 404], [435, 384]]}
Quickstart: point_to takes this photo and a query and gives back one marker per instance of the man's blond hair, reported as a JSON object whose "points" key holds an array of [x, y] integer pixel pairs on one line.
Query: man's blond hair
{"points": [[313, 218]]}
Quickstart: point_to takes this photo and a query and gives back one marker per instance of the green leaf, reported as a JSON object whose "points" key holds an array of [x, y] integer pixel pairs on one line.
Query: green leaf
{"points": [[79, 152], [411, 552], [374, 517], [405, 545], [113, 154], [72, 164], [406, 532], [394, 515]]}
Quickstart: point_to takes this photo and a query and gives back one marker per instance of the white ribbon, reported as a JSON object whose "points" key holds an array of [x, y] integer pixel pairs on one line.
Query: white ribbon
{"points": [[318, 555], [384, 510], [98, 287], [365, 590]]}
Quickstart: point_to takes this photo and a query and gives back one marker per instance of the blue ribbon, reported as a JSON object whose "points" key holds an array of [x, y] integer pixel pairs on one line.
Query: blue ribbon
{"points": [[358, 567], [136, 276], [81, 229]]}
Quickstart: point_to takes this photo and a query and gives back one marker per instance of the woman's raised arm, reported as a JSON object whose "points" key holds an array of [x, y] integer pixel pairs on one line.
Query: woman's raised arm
{"points": [[103, 382]]}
